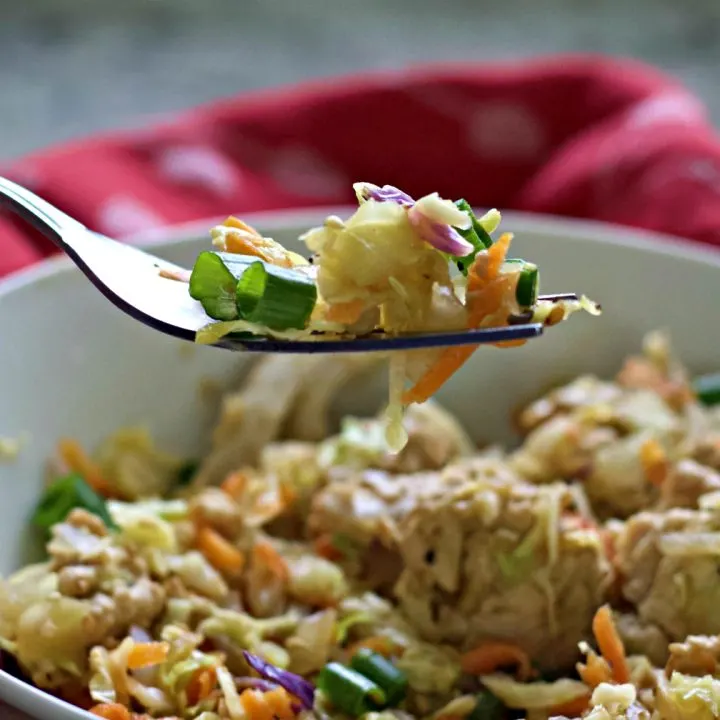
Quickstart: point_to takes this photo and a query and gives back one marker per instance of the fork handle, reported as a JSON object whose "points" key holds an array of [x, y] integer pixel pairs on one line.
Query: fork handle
{"points": [[44, 217]]}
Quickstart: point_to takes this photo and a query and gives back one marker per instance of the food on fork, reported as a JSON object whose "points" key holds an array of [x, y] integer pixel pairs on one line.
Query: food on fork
{"points": [[396, 266]]}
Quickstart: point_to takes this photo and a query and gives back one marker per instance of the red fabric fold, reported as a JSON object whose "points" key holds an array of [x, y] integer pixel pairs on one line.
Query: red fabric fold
{"points": [[578, 136]]}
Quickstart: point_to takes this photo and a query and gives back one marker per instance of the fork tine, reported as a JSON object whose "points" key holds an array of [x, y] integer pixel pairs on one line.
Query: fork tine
{"points": [[557, 298], [479, 336]]}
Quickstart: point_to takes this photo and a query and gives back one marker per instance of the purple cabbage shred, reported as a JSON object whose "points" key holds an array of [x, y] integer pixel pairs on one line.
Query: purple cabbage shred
{"points": [[298, 686], [386, 193]]}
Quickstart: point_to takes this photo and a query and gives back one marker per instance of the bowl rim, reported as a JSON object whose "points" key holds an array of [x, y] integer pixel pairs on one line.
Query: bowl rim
{"points": [[184, 233]]}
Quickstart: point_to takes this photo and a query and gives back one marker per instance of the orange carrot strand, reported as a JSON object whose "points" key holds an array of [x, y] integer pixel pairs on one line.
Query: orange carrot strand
{"points": [[490, 657], [325, 548], [147, 654], [73, 455], [255, 705], [594, 671], [200, 686], [484, 298], [220, 553], [265, 554], [610, 644], [654, 462], [280, 704], [235, 484], [572, 708], [234, 222], [111, 711]]}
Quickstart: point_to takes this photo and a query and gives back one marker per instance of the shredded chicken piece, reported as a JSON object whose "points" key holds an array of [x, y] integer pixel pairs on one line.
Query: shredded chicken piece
{"points": [[686, 484], [664, 560], [138, 604], [642, 639], [480, 565], [698, 655], [257, 413]]}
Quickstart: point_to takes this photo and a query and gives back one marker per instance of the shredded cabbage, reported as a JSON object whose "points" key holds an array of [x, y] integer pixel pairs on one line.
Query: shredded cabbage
{"points": [[230, 693], [535, 695], [53, 631], [430, 668], [689, 698], [144, 528]]}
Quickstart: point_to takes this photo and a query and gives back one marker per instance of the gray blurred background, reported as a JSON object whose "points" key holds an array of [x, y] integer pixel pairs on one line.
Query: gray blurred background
{"points": [[72, 67]]}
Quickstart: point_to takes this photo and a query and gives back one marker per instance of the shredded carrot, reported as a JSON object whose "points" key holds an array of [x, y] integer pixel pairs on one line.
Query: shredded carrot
{"points": [[111, 711], [146, 654], [484, 296], [610, 644], [79, 462], [497, 253], [288, 495], [572, 708], [280, 702], [491, 656], [325, 548], [510, 343], [234, 222], [480, 301], [246, 240], [265, 554], [256, 705], [235, 484], [201, 684], [247, 245], [221, 554], [654, 462], [376, 643], [594, 671], [346, 313], [453, 358]]}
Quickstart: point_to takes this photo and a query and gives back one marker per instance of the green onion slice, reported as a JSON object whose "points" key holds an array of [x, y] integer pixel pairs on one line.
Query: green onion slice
{"points": [[488, 707], [66, 494], [707, 389], [475, 234], [528, 284], [382, 672], [213, 285], [232, 287], [275, 297], [349, 691]]}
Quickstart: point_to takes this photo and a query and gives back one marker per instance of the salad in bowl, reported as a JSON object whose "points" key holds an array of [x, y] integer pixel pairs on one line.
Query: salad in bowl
{"points": [[295, 573]]}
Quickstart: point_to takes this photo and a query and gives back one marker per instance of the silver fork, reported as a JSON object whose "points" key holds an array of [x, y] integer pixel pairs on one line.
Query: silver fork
{"points": [[137, 283]]}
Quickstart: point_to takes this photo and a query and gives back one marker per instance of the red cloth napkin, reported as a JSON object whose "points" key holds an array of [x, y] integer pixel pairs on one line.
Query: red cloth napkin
{"points": [[582, 136]]}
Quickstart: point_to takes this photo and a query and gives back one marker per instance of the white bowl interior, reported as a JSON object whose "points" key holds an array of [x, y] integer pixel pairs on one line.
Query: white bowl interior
{"points": [[74, 366]]}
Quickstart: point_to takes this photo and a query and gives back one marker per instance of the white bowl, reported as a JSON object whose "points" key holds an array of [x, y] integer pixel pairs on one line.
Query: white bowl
{"points": [[73, 365]]}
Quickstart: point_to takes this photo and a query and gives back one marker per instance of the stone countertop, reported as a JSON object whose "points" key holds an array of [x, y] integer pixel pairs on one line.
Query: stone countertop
{"points": [[73, 67]]}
